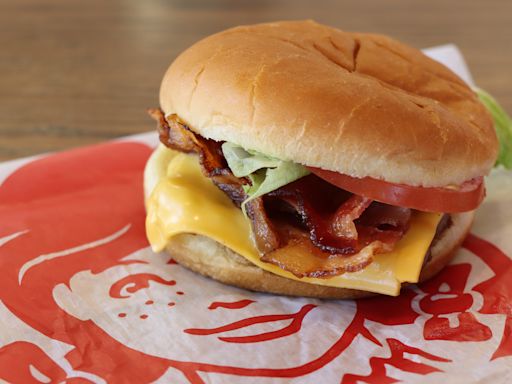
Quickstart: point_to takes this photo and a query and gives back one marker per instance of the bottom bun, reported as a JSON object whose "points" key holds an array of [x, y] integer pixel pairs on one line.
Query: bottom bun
{"points": [[210, 258]]}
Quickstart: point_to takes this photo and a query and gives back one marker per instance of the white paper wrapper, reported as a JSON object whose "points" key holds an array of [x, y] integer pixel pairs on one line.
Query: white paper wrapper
{"points": [[83, 299]]}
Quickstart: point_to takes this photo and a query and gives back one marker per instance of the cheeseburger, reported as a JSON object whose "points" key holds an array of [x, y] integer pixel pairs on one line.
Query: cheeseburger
{"points": [[302, 160]]}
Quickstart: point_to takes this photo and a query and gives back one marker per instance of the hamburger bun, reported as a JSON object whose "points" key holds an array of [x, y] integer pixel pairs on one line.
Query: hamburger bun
{"points": [[363, 105], [355, 103]]}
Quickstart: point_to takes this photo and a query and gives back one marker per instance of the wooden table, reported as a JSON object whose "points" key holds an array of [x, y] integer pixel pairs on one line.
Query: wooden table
{"points": [[79, 72]]}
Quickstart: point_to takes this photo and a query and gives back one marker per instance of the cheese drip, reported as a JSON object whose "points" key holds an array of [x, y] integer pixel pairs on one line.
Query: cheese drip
{"points": [[185, 201]]}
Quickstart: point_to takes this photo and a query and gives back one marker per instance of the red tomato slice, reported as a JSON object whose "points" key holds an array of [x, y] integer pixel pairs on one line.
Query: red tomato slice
{"points": [[461, 198]]}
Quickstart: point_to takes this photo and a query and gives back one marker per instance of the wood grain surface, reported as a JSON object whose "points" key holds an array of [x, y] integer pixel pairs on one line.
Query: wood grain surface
{"points": [[78, 72]]}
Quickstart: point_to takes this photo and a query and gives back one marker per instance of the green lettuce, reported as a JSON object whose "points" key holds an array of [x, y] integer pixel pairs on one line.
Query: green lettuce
{"points": [[266, 173], [503, 125]]}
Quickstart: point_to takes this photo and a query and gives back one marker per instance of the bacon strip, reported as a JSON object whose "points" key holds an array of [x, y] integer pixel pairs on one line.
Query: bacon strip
{"points": [[335, 218], [176, 135], [384, 223], [265, 234], [302, 258], [343, 225]]}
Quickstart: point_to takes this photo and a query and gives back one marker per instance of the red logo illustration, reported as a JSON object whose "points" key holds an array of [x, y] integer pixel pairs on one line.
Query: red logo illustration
{"points": [[83, 299]]}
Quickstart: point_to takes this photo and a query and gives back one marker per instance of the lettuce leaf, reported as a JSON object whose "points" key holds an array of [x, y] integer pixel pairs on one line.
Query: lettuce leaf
{"points": [[503, 125], [266, 173], [244, 162]]}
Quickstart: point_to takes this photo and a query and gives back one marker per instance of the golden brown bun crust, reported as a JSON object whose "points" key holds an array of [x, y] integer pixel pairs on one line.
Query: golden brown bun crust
{"points": [[208, 257], [359, 104]]}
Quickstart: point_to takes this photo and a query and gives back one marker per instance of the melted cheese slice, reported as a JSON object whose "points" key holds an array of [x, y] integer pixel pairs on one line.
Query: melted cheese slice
{"points": [[184, 201]]}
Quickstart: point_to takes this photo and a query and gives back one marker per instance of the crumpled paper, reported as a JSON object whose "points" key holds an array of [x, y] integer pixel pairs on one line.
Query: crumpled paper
{"points": [[84, 300]]}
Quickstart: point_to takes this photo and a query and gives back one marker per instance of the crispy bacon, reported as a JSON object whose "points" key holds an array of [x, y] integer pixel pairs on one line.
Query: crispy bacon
{"points": [[175, 134], [338, 221], [343, 225], [343, 230], [327, 212], [384, 216], [265, 234], [301, 257]]}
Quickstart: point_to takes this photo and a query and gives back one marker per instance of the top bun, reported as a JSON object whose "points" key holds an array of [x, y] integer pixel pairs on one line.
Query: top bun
{"points": [[354, 103]]}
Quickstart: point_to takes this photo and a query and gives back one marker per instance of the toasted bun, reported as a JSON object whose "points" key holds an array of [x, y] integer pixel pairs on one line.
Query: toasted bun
{"points": [[208, 257], [359, 104]]}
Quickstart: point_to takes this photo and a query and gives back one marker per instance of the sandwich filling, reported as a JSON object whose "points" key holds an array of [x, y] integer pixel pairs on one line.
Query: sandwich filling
{"points": [[307, 228]]}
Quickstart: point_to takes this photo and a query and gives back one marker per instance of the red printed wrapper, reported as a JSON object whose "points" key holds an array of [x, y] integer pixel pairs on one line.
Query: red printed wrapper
{"points": [[83, 299]]}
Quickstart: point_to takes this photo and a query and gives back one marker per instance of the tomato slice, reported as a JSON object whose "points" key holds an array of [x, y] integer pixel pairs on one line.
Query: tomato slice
{"points": [[461, 198]]}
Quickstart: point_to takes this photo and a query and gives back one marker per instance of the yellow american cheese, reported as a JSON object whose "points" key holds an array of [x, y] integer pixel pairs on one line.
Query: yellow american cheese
{"points": [[184, 201]]}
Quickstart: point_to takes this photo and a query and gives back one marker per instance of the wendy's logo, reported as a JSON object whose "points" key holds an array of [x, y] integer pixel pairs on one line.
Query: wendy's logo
{"points": [[83, 299]]}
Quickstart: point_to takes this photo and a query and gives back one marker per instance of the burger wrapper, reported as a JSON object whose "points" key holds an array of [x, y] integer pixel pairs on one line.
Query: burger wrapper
{"points": [[85, 300]]}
